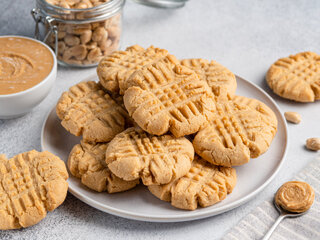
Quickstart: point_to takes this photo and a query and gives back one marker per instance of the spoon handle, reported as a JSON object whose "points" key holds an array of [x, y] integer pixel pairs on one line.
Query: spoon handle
{"points": [[274, 226]]}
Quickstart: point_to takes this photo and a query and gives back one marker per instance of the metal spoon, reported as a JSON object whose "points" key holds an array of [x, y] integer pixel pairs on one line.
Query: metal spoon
{"points": [[283, 214]]}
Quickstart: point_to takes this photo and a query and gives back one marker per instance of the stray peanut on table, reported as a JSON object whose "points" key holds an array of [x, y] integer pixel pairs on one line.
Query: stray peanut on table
{"points": [[293, 117], [313, 144]]}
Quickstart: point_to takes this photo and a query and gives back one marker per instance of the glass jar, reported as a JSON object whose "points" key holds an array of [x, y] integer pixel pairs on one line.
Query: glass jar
{"points": [[80, 37]]}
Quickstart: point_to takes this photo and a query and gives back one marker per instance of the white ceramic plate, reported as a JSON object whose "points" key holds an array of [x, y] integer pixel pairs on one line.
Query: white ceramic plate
{"points": [[139, 204]]}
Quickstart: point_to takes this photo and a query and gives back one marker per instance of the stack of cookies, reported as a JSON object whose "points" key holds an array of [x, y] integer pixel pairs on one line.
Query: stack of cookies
{"points": [[176, 125]]}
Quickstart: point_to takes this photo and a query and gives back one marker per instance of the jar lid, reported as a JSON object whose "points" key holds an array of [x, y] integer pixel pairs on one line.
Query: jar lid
{"points": [[162, 3]]}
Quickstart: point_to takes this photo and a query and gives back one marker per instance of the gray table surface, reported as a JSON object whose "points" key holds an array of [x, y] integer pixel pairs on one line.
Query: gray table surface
{"points": [[246, 36]]}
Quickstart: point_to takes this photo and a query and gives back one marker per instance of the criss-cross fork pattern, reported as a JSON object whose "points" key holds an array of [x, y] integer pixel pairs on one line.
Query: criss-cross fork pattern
{"points": [[96, 101], [234, 123], [267, 115], [305, 66], [236, 133], [296, 77], [172, 91], [118, 66], [85, 103], [91, 157], [138, 143], [204, 185], [221, 81], [25, 187], [87, 161], [150, 156]]}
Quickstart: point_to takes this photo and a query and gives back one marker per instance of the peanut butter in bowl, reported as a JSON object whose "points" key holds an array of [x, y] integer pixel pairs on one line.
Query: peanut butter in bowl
{"points": [[24, 63], [28, 70]]}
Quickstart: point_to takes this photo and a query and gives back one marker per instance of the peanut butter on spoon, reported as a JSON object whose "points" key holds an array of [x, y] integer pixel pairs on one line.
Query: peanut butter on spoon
{"points": [[293, 199], [295, 196]]}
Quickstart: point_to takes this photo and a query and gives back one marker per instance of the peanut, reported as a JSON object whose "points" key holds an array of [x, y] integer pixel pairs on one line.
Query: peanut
{"points": [[53, 2], [61, 47], [73, 2], [313, 144], [73, 62], [86, 62], [94, 55], [104, 45], [112, 48], [71, 40], [61, 34], [85, 37], [81, 5], [78, 29], [79, 52], [95, 25], [114, 31], [99, 34], [62, 27], [91, 45], [64, 4], [293, 117]]}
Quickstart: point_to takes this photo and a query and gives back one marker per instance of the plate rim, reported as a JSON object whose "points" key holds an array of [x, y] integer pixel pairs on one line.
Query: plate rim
{"points": [[192, 215]]}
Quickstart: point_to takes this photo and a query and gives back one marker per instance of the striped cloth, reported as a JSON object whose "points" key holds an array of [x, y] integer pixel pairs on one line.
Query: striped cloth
{"points": [[258, 222]]}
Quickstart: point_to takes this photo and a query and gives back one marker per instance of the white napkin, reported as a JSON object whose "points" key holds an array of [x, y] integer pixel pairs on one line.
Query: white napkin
{"points": [[258, 222]]}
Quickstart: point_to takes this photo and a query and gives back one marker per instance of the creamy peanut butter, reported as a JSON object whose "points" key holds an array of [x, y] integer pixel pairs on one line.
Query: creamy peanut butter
{"points": [[295, 196], [23, 64]]}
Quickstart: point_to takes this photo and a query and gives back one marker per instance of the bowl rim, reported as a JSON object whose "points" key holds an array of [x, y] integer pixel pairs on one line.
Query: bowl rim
{"points": [[43, 81]]}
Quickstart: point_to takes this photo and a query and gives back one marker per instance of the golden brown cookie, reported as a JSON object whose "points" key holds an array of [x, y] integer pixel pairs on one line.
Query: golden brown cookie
{"points": [[119, 100], [266, 113], [115, 69], [32, 183], [296, 77], [87, 162], [160, 97], [88, 111], [135, 154], [237, 132], [204, 185], [220, 79]]}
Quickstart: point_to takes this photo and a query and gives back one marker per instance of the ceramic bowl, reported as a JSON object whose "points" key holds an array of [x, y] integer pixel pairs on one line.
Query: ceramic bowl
{"points": [[17, 104]]}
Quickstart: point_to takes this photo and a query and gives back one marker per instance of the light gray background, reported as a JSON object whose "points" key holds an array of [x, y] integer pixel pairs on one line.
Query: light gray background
{"points": [[246, 36]]}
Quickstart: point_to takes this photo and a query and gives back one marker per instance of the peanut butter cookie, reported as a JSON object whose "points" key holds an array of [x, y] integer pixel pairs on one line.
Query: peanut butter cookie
{"points": [[240, 129], [87, 162], [296, 77], [220, 79], [135, 154], [204, 185], [162, 97], [266, 113], [32, 183], [88, 111], [115, 69]]}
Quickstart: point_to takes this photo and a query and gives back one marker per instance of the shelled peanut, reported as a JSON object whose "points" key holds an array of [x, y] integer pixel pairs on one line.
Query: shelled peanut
{"points": [[77, 4], [86, 44]]}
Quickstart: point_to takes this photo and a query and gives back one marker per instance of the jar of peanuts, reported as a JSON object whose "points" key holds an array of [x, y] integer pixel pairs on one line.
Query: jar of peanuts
{"points": [[81, 32]]}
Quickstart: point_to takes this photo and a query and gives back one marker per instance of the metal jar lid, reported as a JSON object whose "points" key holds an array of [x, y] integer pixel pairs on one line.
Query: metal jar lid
{"points": [[163, 3]]}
